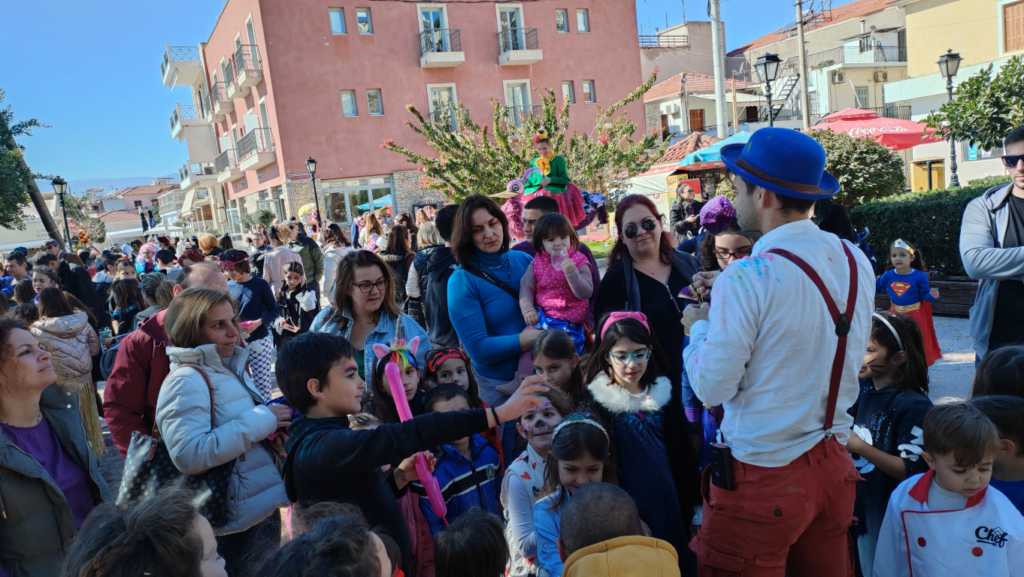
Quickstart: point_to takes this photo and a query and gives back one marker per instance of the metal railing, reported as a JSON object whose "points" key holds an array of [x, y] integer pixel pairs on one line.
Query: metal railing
{"points": [[853, 55], [176, 53], [256, 140], [219, 91], [447, 115], [511, 39], [190, 170], [516, 114], [247, 57], [666, 41], [184, 112], [440, 40], [204, 104], [225, 161], [228, 70], [901, 112]]}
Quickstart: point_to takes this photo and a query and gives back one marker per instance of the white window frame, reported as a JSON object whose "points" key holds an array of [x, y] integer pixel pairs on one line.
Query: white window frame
{"points": [[344, 25], [370, 14], [529, 90], [380, 98], [431, 87], [1000, 25], [221, 70], [238, 40], [586, 16], [567, 27], [572, 92], [497, 14], [593, 92], [354, 103], [419, 14], [262, 107], [249, 22]]}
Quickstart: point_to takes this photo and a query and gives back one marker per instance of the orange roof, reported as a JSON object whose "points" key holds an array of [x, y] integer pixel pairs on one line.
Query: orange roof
{"points": [[858, 9], [119, 215], [692, 143], [695, 84]]}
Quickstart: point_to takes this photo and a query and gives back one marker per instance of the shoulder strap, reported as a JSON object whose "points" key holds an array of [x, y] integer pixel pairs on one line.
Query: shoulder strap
{"points": [[209, 386], [503, 286], [842, 322]]}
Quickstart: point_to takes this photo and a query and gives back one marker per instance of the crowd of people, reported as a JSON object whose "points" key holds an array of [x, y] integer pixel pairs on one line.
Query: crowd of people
{"points": [[724, 399]]}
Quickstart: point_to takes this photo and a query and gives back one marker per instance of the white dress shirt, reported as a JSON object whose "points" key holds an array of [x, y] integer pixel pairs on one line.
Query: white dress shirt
{"points": [[766, 354]]}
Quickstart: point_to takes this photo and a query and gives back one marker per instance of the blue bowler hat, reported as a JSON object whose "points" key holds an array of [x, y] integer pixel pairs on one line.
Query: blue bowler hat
{"points": [[783, 161]]}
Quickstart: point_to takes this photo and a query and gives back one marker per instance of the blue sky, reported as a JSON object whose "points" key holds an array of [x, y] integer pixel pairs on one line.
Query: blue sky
{"points": [[91, 71]]}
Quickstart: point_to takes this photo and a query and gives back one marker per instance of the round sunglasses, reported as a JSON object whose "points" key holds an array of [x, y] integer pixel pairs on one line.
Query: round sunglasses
{"points": [[631, 230]]}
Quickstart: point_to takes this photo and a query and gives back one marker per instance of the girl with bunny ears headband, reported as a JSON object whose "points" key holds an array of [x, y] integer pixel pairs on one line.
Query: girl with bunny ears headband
{"points": [[381, 404]]}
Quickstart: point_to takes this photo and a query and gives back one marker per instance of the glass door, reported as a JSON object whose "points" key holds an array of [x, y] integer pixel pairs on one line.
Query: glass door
{"points": [[510, 22], [517, 98], [382, 201], [433, 22], [442, 104]]}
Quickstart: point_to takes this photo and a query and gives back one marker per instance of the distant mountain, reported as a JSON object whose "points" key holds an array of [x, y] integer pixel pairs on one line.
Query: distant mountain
{"points": [[106, 183]]}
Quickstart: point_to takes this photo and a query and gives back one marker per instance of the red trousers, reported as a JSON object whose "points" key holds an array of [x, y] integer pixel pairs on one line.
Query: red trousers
{"points": [[781, 521]]}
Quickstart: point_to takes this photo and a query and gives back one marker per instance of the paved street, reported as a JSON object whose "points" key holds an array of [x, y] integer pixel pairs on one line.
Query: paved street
{"points": [[952, 376]]}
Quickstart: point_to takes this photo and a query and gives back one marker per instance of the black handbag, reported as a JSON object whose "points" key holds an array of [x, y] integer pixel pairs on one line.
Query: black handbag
{"points": [[148, 468]]}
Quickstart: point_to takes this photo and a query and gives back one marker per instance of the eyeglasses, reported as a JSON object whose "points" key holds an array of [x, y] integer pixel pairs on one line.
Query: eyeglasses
{"points": [[648, 224], [740, 253], [380, 285], [624, 359], [1011, 160]]}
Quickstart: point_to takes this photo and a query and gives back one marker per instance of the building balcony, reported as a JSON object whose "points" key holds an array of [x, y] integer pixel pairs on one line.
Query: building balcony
{"points": [[664, 41], [441, 48], [518, 114], [256, 149], [222, 105], [183, 117], [226, 166], [181, 66], [893, 55], [194, 174], [236, 90], [248, 68], [518, 47]]}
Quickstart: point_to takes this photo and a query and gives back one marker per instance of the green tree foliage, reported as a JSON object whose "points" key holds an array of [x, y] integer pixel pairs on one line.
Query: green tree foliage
{"points": [[262, 216], [15, 176], [78, 211], [474, 159], [866, 170], [930, 220], [985, 108]]}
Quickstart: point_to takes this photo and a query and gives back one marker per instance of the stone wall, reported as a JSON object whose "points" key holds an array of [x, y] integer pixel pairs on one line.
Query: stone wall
{"points": [[408, 191], [652, 114], [297, 194]]}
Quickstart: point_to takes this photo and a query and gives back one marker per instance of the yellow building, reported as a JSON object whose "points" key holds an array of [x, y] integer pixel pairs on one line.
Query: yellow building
{"points": [[983, 32]]}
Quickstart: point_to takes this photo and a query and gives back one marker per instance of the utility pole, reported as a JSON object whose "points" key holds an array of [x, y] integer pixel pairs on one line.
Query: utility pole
{"points": [[685, 114], [683, 3], [802, 54], [719, 64], [735, 115]]}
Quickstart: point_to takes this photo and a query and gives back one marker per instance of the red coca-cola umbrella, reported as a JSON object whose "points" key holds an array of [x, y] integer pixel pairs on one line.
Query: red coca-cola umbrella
{"points": [[892, 133]]}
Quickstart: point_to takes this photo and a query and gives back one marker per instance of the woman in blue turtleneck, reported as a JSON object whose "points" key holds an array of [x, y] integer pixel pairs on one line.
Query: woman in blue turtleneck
{"points": [[487, 319]]}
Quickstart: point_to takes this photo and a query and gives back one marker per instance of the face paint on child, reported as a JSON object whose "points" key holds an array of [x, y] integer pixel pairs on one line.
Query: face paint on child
{"points": [[453, 371], [537, 426]]}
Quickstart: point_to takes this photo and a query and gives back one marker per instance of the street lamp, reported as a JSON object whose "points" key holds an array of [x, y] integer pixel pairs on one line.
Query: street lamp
{"points": [[60, 186], [767, 67], [949, 63], [311, 167]]}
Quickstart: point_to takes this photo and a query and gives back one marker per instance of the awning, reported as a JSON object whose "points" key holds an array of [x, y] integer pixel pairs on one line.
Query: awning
{"points": [[664, 170], [713, 152], [891, 133], [385, 201], [189, 198]]}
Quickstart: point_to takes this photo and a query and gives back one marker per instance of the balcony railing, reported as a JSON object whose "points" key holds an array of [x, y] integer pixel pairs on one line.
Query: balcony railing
{"points": [[511, 39], [175, 53], [257, 140], [247, 57], [447, 115], [901, 112], [219, 91], [225, 161], [664, 41], [204, 104], [184, 112], [517, 114], [440, 40], [191, 170], [853, 55]]}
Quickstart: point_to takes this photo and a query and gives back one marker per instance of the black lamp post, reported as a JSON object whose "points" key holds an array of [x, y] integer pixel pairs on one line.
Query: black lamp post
{"points": [[311, 167], [949, 63], [767, 67], [60, 186]]}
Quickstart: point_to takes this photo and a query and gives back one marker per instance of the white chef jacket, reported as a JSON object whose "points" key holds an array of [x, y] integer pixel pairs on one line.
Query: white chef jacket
{"points": [[985, 539]]}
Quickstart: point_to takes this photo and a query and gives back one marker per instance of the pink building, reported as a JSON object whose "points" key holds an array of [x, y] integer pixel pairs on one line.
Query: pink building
{"points": [[279, 82]]}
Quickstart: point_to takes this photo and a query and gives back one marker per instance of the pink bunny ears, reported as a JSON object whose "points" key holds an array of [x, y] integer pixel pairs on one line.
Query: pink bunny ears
{"points": [[409, 351]]}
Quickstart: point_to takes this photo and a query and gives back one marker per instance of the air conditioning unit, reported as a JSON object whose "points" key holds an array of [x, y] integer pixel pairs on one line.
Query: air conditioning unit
{"points": [[881, 76], [838, 78], [672, 109]]}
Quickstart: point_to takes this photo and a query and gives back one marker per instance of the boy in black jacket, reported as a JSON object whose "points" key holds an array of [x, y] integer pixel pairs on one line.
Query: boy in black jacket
{"points": [[328, 461]]}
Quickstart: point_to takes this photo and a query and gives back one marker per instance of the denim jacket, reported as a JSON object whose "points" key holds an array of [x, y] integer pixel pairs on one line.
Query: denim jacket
{"points": [[382, 335], [982, 233]]}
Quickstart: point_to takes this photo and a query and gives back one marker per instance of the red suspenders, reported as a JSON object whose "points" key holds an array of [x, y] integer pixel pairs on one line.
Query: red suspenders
{"points": [[842, 322]]}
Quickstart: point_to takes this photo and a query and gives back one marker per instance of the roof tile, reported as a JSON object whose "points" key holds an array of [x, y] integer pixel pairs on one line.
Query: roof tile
{"points": [[692, 143], [695, 84]]}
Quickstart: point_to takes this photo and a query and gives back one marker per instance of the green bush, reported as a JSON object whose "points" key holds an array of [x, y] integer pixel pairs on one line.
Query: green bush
{"points": [[930, 220], [865, 169]]}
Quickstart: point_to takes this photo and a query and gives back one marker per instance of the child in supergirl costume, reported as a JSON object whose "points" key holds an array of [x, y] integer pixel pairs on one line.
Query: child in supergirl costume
{"points": [[909, 293], [552, 179]]}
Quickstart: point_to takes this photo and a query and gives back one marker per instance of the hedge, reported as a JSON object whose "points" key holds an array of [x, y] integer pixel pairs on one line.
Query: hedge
{"points": [[930, 220]]}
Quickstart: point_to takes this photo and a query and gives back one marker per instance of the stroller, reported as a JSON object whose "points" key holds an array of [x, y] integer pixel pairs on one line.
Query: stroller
{"points": [[862, 244]]}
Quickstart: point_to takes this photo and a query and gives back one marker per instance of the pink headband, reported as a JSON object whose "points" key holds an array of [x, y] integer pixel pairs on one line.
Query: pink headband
{"points": [[622, 315]]}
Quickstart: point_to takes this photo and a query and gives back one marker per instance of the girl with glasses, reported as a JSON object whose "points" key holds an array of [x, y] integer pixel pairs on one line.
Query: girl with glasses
{"points": [[724, 242], [628, 391]]}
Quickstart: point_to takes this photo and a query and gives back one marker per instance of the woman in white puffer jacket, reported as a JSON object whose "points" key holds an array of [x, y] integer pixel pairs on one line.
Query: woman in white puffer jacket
{"points": [[201, 331]]}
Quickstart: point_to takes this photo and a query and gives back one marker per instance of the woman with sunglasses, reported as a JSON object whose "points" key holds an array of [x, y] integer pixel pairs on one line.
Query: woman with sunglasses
{"points": [[645, 274], [279, 255], [364, 310]]}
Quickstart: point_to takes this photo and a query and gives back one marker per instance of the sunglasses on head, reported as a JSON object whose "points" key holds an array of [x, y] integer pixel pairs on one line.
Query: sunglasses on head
{"points": [[631, 230], [1011, 160]]}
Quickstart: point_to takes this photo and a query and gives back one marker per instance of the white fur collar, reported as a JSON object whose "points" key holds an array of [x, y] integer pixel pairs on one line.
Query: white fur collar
{"points": [[618, 400]]}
